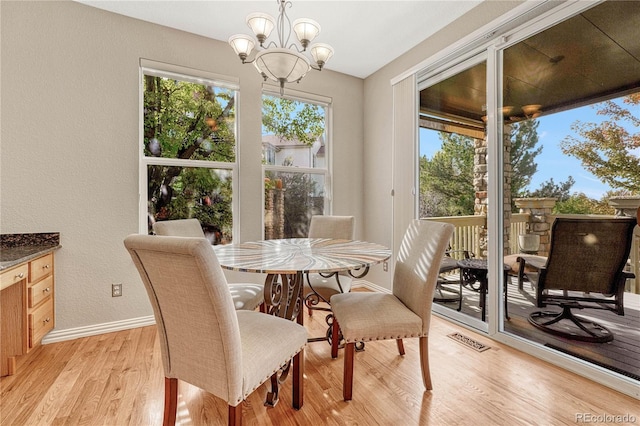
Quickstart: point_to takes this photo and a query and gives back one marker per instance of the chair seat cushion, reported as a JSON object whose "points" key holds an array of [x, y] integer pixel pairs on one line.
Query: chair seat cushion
{"points": [[448, 264], [246, 296], [327, 287], [267, 341], [374, 316], [532, 263]]}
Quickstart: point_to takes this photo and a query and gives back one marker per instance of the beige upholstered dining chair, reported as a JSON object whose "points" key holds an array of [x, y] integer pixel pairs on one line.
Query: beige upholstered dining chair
{"points": [[406, 313], [246, 296], [325, 286], [204, 341]]}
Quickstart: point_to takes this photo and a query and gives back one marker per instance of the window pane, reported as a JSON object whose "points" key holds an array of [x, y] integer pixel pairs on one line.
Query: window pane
{"points": [[293, 133], [192, 192], [290, 201], [188, 120]]}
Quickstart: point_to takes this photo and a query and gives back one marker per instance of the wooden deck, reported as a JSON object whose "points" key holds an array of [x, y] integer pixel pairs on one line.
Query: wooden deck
{"points": [[621, 355]]}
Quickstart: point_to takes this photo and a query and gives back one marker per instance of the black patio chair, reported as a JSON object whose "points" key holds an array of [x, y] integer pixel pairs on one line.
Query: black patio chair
{"points": [[584, 270]]}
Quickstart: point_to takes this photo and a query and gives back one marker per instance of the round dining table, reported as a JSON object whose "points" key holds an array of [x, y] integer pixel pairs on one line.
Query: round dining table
{"points": [[290, 258]]}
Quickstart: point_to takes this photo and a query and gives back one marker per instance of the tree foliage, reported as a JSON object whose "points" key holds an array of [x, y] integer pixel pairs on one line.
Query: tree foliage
{"points": [[607, 149], [291, 120], [446, 180], [449, 174], [550, 189], [524, 150], [189, 121]]}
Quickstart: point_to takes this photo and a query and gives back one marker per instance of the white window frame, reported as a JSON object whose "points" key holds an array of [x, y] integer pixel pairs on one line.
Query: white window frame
{"points": [[326, 103], [160, 69]]}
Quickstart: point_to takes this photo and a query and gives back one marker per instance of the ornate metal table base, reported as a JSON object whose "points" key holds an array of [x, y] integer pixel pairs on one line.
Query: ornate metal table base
{"points": [[283, 298]]}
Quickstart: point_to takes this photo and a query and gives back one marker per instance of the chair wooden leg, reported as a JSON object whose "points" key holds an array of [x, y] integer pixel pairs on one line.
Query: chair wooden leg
{"points": [[347, 384], [335, 338], [424, 362], [235, 415], [170, 401], [298, 380], [263, 308], [400, 346]]}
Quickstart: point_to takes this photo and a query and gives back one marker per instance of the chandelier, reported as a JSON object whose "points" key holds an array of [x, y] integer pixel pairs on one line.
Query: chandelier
{"points": [[282, 62]]}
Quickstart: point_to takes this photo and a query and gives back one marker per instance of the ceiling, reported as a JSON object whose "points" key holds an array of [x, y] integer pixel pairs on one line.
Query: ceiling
{"points": [[590, 57], [366, 35]]}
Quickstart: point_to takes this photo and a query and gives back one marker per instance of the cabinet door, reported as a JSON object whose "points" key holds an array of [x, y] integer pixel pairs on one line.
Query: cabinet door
{"points": [[41, 321]]}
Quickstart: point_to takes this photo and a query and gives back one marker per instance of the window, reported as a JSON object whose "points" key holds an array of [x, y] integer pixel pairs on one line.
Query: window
{"points": [[295, 161], [188, 161]]}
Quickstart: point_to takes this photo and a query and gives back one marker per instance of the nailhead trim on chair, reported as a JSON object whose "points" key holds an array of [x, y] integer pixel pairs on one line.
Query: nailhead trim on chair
{"points": [[269, 376], [371, 339]]}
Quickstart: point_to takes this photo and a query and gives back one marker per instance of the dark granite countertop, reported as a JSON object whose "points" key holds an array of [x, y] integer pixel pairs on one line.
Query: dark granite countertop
{"points": [[19, 248]]}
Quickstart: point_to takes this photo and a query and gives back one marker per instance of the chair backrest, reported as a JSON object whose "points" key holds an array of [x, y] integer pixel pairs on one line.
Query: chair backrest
{"points": [[341, 227], [418, 265], [588, 255], [179, 228], [194, 312]]}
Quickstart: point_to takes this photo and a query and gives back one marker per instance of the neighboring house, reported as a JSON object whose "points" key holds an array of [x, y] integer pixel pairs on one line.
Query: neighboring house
{"points": [[277, 150]]}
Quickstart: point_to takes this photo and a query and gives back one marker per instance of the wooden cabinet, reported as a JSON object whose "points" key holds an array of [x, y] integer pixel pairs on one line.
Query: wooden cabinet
{"points": [[27, 309]]}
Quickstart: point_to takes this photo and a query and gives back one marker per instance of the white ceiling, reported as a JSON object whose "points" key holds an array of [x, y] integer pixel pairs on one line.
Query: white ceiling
{"points": [[366, 35]]}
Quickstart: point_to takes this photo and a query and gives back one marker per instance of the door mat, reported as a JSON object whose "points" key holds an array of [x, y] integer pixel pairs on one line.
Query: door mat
{"points": [[469, 342]]}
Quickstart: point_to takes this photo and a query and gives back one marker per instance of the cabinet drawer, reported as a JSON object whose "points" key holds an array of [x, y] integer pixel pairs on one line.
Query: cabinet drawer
{"points": [[13, 276], [40, 291], [41, 267], [41, 321]]}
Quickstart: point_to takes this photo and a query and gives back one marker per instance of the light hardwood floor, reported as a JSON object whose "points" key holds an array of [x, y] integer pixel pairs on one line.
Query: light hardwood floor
{"points": [[116, 379]]}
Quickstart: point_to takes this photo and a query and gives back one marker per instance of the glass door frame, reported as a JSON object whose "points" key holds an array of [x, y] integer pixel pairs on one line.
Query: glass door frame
{"points": [[494, 50], [427, 80]]}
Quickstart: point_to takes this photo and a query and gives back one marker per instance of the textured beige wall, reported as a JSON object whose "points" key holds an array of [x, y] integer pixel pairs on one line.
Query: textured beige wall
{"points": [[69, 147]]}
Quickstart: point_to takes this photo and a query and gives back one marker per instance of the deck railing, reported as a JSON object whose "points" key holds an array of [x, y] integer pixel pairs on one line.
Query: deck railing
{"points": [[466, 237]]}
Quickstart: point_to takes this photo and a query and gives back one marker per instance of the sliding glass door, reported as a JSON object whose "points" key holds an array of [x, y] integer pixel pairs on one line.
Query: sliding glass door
{"points": [[452, 183], [540, 123]]}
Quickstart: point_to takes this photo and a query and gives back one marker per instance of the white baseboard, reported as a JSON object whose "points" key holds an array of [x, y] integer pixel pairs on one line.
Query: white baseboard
{"points": [[109, 327], [371, 286], [92, 330]]}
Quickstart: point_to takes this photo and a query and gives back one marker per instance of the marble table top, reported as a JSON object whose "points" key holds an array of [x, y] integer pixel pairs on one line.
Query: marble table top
{"points": [[289, 256]]}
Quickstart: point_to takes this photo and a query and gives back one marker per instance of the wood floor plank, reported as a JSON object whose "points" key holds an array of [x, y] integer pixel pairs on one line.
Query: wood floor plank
{"points": [[117, 379]]}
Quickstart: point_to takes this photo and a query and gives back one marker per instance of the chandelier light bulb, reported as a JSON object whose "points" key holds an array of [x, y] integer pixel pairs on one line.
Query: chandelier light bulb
{"points": [[306, 30], [261, 24], [242, 45], [321, 53]]}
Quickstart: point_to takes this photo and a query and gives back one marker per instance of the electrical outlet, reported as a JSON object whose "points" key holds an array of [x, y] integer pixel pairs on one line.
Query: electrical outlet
{"points": [[116, 290], [385, 266]]}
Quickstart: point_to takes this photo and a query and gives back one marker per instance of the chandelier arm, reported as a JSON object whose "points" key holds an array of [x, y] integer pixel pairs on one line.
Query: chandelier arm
{"points": [[282, 19], [293, 45]]}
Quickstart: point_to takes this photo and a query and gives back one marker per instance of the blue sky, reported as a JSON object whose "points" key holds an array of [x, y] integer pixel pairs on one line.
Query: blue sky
{"points": [[552, 163]]}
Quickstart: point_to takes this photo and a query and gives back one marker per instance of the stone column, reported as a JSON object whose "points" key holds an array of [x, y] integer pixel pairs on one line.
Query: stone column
{"points": [[480, 178], [625, 206], [628, 206], [480, 186], [274, 214], [540, 219], [507, 176]]}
